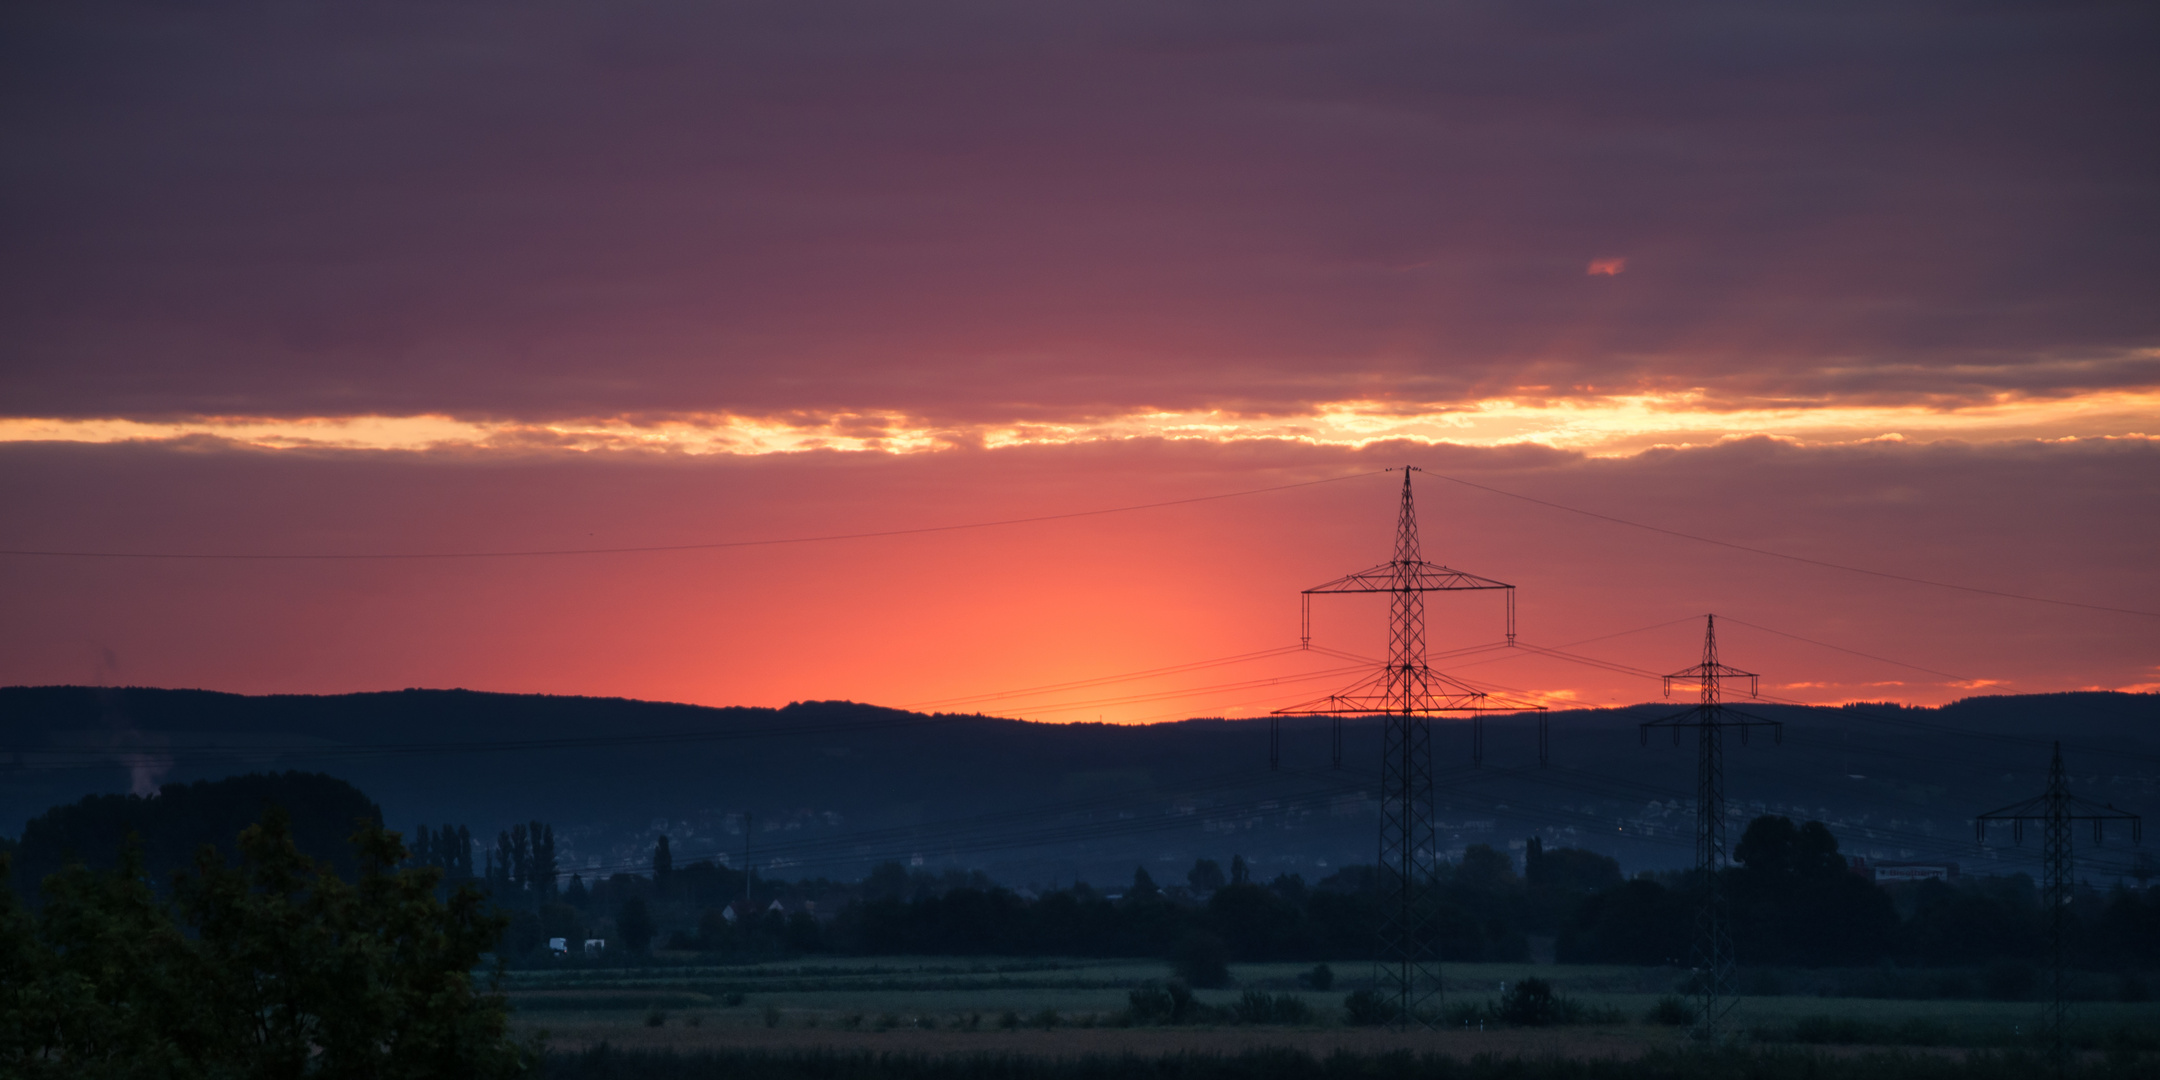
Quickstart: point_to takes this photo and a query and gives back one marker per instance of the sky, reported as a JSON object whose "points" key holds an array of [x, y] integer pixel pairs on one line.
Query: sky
{"points": [[1850, 284]]}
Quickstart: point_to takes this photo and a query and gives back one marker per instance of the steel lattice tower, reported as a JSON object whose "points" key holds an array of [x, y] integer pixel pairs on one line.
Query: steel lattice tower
{"points": [[2056, 810], [1406, 693], [1709, 718]]}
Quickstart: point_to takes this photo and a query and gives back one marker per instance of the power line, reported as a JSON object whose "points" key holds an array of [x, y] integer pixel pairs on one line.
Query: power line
{"points": [[713, 546], [1798, 558], [1853, 652]]}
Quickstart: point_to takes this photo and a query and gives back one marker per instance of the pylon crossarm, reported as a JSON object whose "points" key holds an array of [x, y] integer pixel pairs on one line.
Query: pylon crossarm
{"points": [[1728, 718], [1712, 671], [1339, 705], [1747, 719], [2029, 810], [1407, 577]]}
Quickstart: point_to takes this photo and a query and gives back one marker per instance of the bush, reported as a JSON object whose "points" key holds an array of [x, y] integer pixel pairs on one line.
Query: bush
{"points": [[772, 1016], [732, 998], [1009, 1020], [1321, 977], [1202, 960], [1046, 1019], [1671, 1011], [1162, 1003], [1466, 1014], [1366, 1008], [1530, 1003], [1148, 1004], [656, 1018], [1261, 1007]]}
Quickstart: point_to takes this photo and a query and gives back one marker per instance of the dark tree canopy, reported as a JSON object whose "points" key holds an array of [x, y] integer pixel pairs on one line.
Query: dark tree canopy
{"points": [[175, 823], [274, 968], [1205, 876]]}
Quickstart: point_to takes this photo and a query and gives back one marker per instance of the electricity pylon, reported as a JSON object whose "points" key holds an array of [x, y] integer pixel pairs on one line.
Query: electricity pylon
{"points": [[1709, 718], [1406, 693], [2056, 809]]}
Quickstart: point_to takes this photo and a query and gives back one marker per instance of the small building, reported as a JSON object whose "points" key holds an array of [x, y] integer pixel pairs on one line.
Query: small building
{"points": [[1887, 872], [559, 946], [595, 946]]}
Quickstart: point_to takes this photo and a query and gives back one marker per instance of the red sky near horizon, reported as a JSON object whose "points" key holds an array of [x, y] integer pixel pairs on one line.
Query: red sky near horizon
{"points": [[1862, 286]]}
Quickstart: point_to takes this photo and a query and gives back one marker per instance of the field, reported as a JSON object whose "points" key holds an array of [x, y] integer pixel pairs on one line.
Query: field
{"points": [[1073, 1009]]}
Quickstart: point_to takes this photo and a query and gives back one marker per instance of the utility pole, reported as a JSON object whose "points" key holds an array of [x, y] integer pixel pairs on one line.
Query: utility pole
{"points": [[2056, 810], [1709, 718], [1406, 693]]}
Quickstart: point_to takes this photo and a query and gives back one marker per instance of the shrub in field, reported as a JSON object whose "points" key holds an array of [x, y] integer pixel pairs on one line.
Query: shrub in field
{"points": [[851, 1021], [1202, 960], [772, 1016], [1009, 1020], [1162, 1003], [1321, 977], [732, 998], [1149, 1004], [1046, 1019], [926, 1022], [656, 1018], [1365, 1008], [1671, 1011], [1466, 1014], [887, 1022], [1261, 1007], [1530, 1003]]}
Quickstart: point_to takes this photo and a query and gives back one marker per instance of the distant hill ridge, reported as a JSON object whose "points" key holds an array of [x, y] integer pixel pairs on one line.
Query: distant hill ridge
{"points": [[830, 768]]}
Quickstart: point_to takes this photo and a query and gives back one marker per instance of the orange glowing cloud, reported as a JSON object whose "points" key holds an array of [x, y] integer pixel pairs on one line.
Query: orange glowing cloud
{"points": [[1606, 267]]}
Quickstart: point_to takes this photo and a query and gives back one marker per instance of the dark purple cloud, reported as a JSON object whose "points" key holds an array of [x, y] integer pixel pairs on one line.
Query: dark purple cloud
{"points": [[1002, 211]]}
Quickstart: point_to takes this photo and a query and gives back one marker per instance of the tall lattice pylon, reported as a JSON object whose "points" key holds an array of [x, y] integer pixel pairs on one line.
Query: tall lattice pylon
{"points": [[2057, 810], [1406, 692], [1710, 718]]}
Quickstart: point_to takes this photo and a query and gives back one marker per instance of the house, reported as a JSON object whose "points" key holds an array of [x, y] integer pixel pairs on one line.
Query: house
{"points": [[1885, 873], [558, 946], [1915, 871], [595, 946]]}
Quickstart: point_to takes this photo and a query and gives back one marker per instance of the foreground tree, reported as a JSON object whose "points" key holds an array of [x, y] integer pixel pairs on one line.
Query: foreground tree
{"points": [[292, 971]]}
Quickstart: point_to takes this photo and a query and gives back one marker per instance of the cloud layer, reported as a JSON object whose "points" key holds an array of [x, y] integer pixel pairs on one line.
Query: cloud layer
{"points": [[985, 213]]}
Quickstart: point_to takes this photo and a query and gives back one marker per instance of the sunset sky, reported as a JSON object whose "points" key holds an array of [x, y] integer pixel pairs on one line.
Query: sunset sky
{"points": [[1869, 285]]}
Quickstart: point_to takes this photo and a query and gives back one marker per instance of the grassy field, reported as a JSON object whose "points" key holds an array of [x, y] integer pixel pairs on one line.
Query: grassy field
{"points": [[1073, 1008]]}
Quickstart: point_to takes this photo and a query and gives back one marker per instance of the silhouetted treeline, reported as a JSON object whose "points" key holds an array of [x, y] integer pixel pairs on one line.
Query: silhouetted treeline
{"points": [[1795, 902], [180, 819]]}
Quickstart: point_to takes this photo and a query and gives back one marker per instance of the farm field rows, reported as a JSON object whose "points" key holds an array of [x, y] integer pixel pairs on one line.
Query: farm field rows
{"points": [[940, 1005]]}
